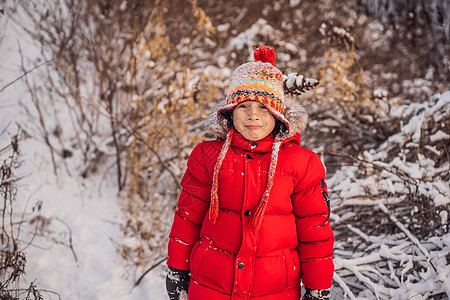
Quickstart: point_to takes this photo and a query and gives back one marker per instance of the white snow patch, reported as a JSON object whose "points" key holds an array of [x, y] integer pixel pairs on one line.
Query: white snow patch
{"points": [[438, 136]]}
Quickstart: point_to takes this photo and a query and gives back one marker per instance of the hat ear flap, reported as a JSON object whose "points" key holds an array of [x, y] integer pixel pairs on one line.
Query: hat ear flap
{"points": [[226, 117], [280, 129]]}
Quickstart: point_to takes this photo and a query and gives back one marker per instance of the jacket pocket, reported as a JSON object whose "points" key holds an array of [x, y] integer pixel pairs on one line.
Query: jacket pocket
{"points": [[216, 269], [270, 274], [292, 260], [211, 266], [198, 251]]}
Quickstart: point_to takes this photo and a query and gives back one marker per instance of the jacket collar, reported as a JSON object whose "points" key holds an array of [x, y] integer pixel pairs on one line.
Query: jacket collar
{"points": [[264, 145]]}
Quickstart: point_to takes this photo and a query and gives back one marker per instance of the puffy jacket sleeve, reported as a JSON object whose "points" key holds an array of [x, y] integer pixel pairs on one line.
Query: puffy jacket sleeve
{"points": [[316, 239], [193, 204]]}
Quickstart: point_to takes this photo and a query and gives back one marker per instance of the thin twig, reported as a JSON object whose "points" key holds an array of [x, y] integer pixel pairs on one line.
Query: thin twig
{"points": [[70, 239], [25, 74], [148, 270], [4, 129], [32, 237], [24, 210]]}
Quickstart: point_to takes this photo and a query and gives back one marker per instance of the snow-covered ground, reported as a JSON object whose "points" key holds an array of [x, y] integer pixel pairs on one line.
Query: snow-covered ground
{"points": [[73, 252], [77, 211]]}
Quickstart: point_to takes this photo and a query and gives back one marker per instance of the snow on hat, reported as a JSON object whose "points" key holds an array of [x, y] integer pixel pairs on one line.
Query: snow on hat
{"points": [[256, 81]]}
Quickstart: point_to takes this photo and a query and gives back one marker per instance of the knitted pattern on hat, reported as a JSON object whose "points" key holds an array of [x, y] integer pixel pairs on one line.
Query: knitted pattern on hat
{"points": [[257, 81]]}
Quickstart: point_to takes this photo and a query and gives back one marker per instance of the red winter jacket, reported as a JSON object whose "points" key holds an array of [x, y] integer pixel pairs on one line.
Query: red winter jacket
{"points": [[227, 260]]}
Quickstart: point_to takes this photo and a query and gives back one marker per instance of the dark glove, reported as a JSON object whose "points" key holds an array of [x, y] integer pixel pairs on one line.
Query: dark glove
{"points": [[176, 282], [316, 294]]}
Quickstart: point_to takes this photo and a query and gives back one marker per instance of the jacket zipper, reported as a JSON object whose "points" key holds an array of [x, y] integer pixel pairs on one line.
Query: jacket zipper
{"points": [[327, 201]]}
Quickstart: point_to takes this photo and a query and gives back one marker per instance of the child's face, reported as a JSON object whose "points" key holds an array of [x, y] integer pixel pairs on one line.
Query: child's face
{"points": [[253, 120]]}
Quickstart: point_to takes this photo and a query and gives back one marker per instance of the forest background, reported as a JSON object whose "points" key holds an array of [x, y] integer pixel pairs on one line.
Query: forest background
{"points": [[102, 102]]}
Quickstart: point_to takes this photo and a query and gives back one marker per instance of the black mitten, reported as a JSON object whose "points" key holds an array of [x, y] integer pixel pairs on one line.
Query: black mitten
{"points": [[316, 294], [176, 282]]}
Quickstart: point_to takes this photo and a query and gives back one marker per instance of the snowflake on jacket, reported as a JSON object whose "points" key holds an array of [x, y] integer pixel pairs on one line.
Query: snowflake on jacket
{"points": [[253, 216]]}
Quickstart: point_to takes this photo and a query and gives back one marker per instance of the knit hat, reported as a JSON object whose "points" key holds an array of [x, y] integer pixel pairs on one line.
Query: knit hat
{"points": [[253, 81], [257, 81]]}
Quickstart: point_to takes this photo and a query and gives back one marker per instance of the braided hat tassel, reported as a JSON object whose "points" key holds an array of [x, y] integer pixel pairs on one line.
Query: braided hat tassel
{"points": [[258, 213], [214, 206]]}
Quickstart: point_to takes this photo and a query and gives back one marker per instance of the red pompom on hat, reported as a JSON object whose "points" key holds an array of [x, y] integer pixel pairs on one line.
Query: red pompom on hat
{"points": [[265, 54]]}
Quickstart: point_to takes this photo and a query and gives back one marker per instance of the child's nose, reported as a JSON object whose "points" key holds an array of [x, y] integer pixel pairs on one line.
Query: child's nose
{"points": [[253, 113]]}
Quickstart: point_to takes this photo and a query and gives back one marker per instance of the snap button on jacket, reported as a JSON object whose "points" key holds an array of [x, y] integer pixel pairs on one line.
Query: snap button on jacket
{"points": [[227, 259]]}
